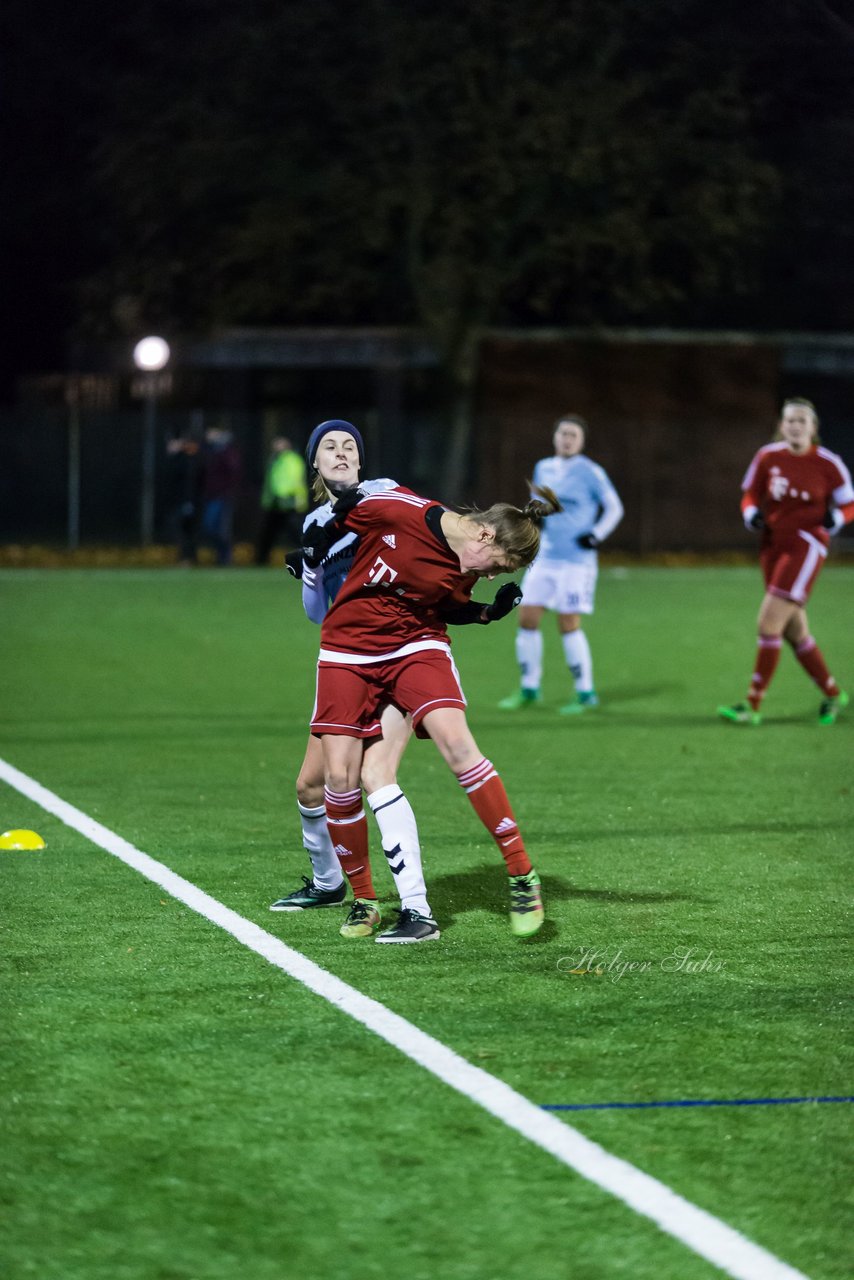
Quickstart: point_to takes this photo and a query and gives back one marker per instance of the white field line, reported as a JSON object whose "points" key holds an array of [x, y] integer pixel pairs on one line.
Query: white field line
{"points": [[706, 1235]]}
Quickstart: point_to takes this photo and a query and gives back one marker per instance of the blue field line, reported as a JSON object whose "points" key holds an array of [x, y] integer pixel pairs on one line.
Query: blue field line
{"points": [[684, 1102]]}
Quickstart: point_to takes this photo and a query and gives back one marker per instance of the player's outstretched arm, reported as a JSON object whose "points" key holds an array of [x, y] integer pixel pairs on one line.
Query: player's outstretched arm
{"points": [[506, 600]]}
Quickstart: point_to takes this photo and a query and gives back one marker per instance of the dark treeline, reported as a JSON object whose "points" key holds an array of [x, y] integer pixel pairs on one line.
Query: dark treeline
{"points": [[180, 164]]}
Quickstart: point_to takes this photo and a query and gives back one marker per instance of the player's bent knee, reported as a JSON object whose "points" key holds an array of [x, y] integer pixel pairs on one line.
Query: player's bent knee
{"points": [[374, 777], [458, 753], [310, 792]]}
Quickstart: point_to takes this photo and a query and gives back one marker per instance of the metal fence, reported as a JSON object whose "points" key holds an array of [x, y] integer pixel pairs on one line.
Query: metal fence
{"points": [[675, 419], [70, 476]]}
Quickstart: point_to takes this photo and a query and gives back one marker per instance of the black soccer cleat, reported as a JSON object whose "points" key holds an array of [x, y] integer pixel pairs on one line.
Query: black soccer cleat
{"points": [[310, 896], [411, 927]]}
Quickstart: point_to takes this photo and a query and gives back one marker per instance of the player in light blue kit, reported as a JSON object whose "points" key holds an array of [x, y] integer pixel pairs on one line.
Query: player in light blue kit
{"points": [[563, 577]]}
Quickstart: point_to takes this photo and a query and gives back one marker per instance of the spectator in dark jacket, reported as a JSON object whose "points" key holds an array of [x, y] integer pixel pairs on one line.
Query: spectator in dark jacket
{"points": [[220, 487]]}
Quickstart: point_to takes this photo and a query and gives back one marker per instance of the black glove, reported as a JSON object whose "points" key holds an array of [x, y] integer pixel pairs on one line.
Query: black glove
{"points": [[588, 541], [320, 538], [294, 563], [347, 501], [318, 541], [757, 521], [829, 521], [506, 599]]}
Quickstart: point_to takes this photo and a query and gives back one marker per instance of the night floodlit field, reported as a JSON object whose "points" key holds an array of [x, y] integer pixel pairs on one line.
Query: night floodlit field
{"points": [[175, 1107]]}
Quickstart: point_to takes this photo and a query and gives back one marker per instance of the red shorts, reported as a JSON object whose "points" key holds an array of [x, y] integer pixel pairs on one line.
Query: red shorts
{"points": [[790, 566], [350, 699]]}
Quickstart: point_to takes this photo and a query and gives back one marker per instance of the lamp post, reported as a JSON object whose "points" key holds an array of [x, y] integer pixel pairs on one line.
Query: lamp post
{"points": [[150, 355], [72, 400]]}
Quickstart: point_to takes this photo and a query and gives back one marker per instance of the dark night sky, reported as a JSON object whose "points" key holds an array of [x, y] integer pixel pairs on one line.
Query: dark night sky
{"points": [[67, 65]]}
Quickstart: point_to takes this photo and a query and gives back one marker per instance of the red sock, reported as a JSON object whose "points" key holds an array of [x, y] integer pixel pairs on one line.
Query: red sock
{"points": [[767, 657], [489, 800], [348, 831], [812, 660]]}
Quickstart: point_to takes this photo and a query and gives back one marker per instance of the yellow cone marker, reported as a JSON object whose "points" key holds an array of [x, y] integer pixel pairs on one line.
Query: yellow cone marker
{"points": [[21, 840]]}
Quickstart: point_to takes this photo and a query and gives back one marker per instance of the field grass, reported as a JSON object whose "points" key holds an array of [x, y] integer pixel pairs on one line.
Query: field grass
{"points": [[177, 1109]]}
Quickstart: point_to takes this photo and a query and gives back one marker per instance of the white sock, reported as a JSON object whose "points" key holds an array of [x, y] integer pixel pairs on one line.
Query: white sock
{"points": [[579, 660], [326, 869], [529, 655], [399, 835]]}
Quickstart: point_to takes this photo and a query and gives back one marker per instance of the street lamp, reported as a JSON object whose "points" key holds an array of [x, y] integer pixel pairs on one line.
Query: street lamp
{"points": [[150, 355]]}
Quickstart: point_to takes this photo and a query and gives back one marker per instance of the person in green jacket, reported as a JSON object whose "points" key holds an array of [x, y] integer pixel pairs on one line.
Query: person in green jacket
{"points": [[284, 499]]}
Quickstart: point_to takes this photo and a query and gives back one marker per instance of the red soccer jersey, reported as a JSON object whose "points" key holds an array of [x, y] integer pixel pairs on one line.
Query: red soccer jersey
{"points": [[794, 490], [402, 575]]}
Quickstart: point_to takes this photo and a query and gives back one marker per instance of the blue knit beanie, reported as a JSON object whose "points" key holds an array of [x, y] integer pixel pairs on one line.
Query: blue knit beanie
{"points": [[334, 424]]}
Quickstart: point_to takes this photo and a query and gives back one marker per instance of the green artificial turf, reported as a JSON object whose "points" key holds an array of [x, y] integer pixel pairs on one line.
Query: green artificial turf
{"points": [[175, 1108]]}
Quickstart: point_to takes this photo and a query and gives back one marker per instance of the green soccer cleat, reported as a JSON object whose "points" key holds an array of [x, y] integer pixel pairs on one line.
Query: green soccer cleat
{"points": [[584, 702], [831, 707], [362, 921], [741, 713], [526, 904], [310, 896], [521, 698]]}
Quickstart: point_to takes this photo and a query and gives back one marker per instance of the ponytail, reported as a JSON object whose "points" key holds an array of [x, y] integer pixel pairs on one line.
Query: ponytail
{"points": [[517, 530], [544, 503]]}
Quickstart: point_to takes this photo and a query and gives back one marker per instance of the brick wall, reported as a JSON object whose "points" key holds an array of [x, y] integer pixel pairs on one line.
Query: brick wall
{"points": [[674, 425]]}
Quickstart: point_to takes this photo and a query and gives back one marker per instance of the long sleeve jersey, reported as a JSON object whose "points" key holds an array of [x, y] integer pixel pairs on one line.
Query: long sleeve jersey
{"points": [[795, 491], [590, 504]]}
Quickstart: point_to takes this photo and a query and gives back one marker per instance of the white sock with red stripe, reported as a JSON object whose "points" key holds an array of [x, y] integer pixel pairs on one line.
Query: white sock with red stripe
{"points": [[489, 800]]}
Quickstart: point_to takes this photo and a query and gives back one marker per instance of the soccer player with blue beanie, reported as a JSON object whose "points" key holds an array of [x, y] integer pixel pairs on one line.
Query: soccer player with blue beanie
{"points": [[335, 455], [324, 429], [563, 577]]}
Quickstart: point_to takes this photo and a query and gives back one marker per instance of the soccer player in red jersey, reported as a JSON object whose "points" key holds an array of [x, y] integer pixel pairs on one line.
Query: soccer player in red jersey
{"points": [[335, 452], [797, 493], [336, 455], [385, 639]]}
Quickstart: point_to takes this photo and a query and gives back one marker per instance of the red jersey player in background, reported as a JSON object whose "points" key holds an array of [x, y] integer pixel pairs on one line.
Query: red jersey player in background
{"points": [[385, 639], [797, 493]]}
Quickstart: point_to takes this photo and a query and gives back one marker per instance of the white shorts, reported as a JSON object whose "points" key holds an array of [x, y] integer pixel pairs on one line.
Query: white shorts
{"points": [[565, 588]]}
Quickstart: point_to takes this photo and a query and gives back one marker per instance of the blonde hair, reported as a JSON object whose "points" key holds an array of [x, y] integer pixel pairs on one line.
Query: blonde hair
{"points": [[517, 529]]}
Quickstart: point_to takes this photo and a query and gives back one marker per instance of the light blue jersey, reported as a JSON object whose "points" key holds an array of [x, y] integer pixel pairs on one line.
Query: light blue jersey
{"points": [[320, 586], [590, 505]]}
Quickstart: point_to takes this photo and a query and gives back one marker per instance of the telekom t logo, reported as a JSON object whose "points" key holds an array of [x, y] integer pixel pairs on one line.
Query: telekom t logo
{"points": [[381, 572], [778, 485]]}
